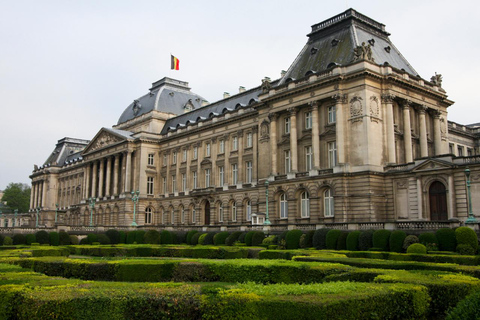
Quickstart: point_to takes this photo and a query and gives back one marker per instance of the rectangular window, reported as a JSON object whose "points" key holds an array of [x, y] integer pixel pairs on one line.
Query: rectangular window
{"points": [[287, 125], [288, 162], [235, 143], [174, 183], [460, 151], [164, 159], [194, 174], [207, 150], [207, 178], [195, 152], [184, 182], [469, 152], [150, 159], [308, 120], [249, 140], [234, 173], [165, 185], [332, 154], [221, 175], [249, 211], [234, 212], [332, 114], [182, 216], [150, 185], [308, 158], [221, 146], [283, 206], [220, 214], [184, 158], [249, 171], [450, 148], [194, 215], [174, 157]]}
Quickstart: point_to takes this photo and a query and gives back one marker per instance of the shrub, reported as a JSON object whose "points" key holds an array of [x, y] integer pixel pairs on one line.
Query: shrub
{"points": [[84, 241], [302, 242], [19, 239], [381, 239], [114, 236], [342, 241], [64, 238], [282, 236], [427, 238], [195, 237], [201, 239], [131, 237], [465, 250], [309, 238], [42, 237], [293, 239], [91, 238], [365, 240], [219, 238], [123, 237], [30, 238], [230, 240], [270, 240], [103, 239], [139, 236], [7, 241], [152, 237], [209, 238], [446, 239], [174, 237], [465, 235], [166, 237], [257, 238], [73, 239], [352, 240], [190, 235], [1, 240], [331, 239], [54, 238], [248, 238], [396, 240], [468, 308], [417, 248], [319, 238], [409, 240], [180, 237], [241, 238]]}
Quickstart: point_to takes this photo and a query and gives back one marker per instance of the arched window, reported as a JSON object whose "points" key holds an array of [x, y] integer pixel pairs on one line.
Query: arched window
{"points": [[328, 203], [234, 211], [248, 209], [148, 215], [283, 206], [220, 213], [305, 204]]}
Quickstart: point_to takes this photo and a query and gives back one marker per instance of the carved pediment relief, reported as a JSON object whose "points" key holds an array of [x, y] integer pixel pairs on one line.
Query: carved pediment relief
{"points": [[433, 165], [102, 140]]}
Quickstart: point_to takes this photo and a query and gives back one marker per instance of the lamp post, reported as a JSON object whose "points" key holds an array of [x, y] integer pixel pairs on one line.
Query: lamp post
{"points": [[91, 203], [135, 201], [267, 220], [56, 212], [36, 220], [15, 217], [471, 218]]}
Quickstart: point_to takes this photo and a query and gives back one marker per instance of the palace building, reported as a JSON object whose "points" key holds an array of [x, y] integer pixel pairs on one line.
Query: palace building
{"points": [[350, 137]]}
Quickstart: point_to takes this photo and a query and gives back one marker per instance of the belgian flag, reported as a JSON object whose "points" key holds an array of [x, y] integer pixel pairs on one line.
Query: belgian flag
{"points": [[175, 63]]}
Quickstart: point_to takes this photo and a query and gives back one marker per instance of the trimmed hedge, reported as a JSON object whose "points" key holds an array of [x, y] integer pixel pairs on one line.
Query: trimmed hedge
{"points": [[257, 238], [190, 235], [409, 240], [332, 238], [91, 238], [417, 248], [293, 239], [465, 249], [152, 237], [231, 239], [139, 236], [123, 236], [396, 241], [446, 239], [309, 238], [427, 238], [30, 238], [465, 235], [381, 239], [166, 237], [113, 235], [352, 240], [365, 240], [131, 237], [42, 237], [18, 239], [103, 239], [64, 238], [195, 238], [201, 239], [319, 240], [219, 238], [248, 238], [54, 238], [342, 241], [468, 308]]}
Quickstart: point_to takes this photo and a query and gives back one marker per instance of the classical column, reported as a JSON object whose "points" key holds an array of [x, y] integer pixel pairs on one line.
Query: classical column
{"points": [[34, 199], [101, 176], [340, 99], [273, 142], [437, 134], [255, 154], [94, 179], [315, 135], [423, 131], [37, 191], [87, 181], [293, 139], [241, 174], [32, 195], [44, 193], [407, 131], [226, 169], [419, 198], [214, 153], [128, 172], [116, 174], [108, 177], [388, 100]]}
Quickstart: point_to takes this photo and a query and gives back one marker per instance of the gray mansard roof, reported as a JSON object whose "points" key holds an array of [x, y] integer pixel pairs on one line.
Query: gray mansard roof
{"points": [[67, 149]]}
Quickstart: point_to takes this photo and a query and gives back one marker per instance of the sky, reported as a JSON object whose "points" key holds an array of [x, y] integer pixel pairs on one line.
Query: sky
{"points": [[69, 68]]}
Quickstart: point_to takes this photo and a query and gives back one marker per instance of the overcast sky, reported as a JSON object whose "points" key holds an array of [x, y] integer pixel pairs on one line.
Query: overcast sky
{"points": [[68, 68]]}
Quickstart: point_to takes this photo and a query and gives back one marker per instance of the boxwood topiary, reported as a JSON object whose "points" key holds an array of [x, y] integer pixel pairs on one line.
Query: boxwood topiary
{"points": [[365, 240], [19, 239], [293, 239], [131, 237], [381, 239], [1, 239], [248, 238], [195, 237], [73, 239], [30, 238], [302, 243], [342, 241], [409, 240], [83, 241], [465, 250], [417, 248], [209, 238], [396, 240], [319, 238], [352, 240], [230, 240], [64, 238], [241, 238], [331, 239], [257, 238], [309, 238], [152, 237], [42, 237], [465, 235], [54, 238], [123, 236], [7, 241], [180, 237], [219, 238], [103, 239], [282, 236], [166, 237], [114, 236], [427, 238], [190, 235], [201, 239], [446, 239], [91, 238], [139, 236]]}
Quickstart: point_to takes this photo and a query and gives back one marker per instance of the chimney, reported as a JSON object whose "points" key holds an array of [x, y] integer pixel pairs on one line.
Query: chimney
{"points": [[226, 95], [283, 73], [241, 89]]}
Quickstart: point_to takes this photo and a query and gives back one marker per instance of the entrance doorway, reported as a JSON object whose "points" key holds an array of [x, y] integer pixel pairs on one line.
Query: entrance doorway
{"points": [[438, 201], [207, 212]]}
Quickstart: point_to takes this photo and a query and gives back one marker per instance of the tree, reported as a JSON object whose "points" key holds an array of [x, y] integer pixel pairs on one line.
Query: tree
{"points": [[17, 196]]}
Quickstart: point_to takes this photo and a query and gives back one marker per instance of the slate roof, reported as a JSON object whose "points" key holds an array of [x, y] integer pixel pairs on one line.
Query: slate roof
{"points": [[332, 42], [66, 149]]}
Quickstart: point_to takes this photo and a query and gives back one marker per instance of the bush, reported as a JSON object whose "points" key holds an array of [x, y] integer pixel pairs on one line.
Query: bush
{"points": [[365, 240], [166, 237], [381, 239], [241, 238], [417, 248], [30, 238], [19, 239], [103, 239], [7, 241], [64, 238], [302, 243], [42, 237], [209, 238], [84, 241], [139, 236], [427, 238], [465, 250], [73, 239], [91, 238], [190, 235], [248, 238], [468, 308], [257, 238], [230, 240], [352, 240], [342, 241], [114, 236], [201, 239], [1, 240], [219, 238], [123, 237], [465, 235], [54, 238], [331, 239], [446, 239], [152, 237], [293, 239], [180, 237], [409, 240], [319, 238], [195, 237], [131, 237], [396, 241]]}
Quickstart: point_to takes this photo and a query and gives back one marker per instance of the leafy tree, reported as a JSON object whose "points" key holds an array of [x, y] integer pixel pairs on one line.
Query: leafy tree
{"points": [[17, 196]]}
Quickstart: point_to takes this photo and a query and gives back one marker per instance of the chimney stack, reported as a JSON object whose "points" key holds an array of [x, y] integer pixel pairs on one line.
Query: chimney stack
{"points": [[241, 89], [283, 73], [226, 95]]}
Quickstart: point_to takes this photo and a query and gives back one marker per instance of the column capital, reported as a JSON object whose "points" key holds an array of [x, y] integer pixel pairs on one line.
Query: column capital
{"points": [[293, 111], [313, 104], [435, 113], [388, 98], [406, 104], [421, 109], [240, 133], [254, 129], [273, 116], [340, 97]]}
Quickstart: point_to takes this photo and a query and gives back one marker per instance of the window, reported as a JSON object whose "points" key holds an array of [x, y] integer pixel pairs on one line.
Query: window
{"points": [[308, 120], [332, 154], [469, 152], [332, 114], [308, 158], [182, 216], [194, 174], [174, 157], [172, 216], [288, 162], [221, 146], [150, 159], [148, 215], [165, 185], [249, 140], [174, 183], [287, 125], [164, 217], [195, 152], [194, 215], [235, 143], [234, 173], [234, 211], [207, 150], [220, 213], [283, 206], [450, 148], [460, 151], [328, 203], [184, 182], [164, 159], [207, 178], [221, 175], [249, 171], [249, 210], [150, 185], [184, 157], [305, 205]]}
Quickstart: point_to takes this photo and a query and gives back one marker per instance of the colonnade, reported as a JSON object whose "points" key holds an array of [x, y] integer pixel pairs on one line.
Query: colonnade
{"points": [[38, 194]]}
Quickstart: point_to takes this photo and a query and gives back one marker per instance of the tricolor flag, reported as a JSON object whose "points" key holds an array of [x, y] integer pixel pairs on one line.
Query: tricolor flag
{"points": [[175, 63]]}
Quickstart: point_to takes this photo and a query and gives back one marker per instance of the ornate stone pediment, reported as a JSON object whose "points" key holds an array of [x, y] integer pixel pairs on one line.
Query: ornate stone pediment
{"points": [[433, 164], [103, 139]]}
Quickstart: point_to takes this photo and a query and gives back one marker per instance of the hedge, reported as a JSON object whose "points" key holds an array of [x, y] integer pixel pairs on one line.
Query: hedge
{"points": [[166, 237], [331, 239], [103, 239], [190, 235], [208, 240], [465, 235], [131, 237], [113, 235], [417, 248], [352, 240], [19, 239], [396, 241], [91, 238], [152, 237], [42, 237], [446, 239], [468, 308], [248, 238], [195, 237], [427, 238], [409, 240], [30, 238], [231, 239], [64, 238], [319, 238], [365, 240], [381, 239], [293, 239], [54, 238], [139, 236], [219, 238], [342, 241]]}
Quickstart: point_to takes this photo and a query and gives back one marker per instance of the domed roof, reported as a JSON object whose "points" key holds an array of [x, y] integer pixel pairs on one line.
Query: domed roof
{"points": [[166, 95]]}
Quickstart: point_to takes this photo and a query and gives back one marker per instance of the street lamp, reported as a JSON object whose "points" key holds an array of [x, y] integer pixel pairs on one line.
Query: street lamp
{"points": [[56, 212], [36, 220], [471, 218], [91, 203], [15, 217], [135, 201], [267, 220]]}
